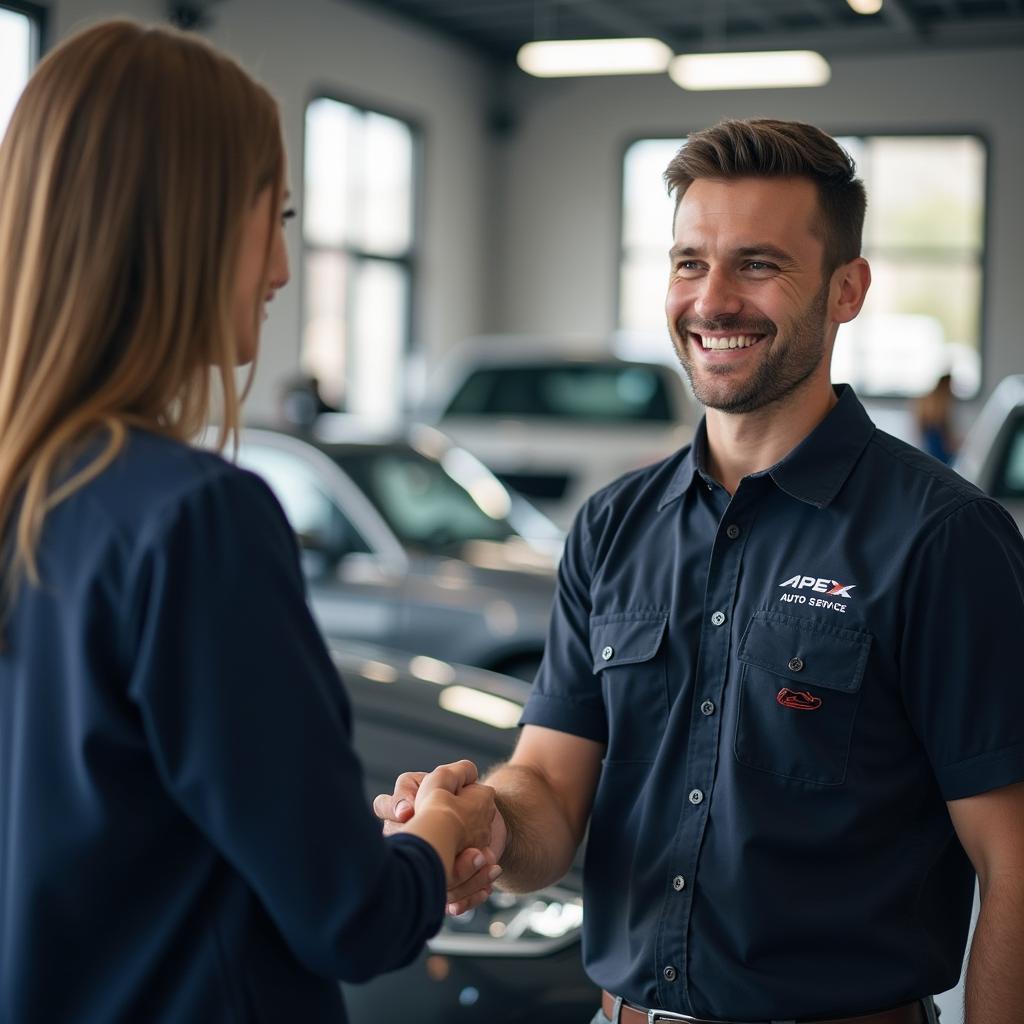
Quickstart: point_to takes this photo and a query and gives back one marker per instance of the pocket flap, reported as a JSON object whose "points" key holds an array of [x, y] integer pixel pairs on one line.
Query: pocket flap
{"points": [[805, 651], [625, 639]]}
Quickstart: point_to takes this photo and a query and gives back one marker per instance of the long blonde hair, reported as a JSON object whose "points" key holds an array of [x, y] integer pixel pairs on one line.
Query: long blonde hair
{"points": [[126, 174]]}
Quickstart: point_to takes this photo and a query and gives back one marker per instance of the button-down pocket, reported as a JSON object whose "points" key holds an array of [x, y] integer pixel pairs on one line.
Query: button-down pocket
{"points": [[630, 661], [799, 692]]}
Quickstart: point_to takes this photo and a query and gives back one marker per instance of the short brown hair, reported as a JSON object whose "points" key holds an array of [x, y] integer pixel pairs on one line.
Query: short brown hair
{"points": [[765, 148]]}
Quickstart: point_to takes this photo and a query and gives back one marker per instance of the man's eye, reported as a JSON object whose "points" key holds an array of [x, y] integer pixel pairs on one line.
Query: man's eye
{"points": [[287, 215], [760, 265]]}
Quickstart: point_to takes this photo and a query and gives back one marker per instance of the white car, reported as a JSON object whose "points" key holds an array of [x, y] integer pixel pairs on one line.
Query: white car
{"points": [[556, 421], [992, 455]]}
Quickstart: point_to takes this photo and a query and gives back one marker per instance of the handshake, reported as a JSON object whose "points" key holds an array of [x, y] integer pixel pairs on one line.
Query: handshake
{"points": [[456, 815]]}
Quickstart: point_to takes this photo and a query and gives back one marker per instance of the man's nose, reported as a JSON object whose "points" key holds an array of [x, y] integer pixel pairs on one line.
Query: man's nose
{"points": [[717, 296]]}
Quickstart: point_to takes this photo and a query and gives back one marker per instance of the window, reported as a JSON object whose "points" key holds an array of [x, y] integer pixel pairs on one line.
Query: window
{"points": [[358, 215], [20, 32], [924, 238]]}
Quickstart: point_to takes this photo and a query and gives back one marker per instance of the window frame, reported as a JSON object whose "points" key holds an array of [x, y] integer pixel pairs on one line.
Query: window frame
{"points": [[936, 131], [411, 259], [39, 18]]}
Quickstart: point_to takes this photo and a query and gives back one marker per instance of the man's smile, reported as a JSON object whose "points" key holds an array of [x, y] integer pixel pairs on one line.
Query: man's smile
{"points": [[720, 342]]}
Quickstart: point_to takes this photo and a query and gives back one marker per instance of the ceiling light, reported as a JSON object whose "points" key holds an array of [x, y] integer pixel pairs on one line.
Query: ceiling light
{"points": [[778, 69], [557, 58], [865, 6]]}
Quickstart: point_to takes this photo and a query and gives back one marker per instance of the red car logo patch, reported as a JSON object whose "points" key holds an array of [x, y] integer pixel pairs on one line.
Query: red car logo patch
{"points": [[799, 700]]}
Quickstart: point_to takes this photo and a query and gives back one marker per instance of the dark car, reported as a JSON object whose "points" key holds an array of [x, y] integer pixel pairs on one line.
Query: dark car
{"points": [[514, 959], [409, 542]]}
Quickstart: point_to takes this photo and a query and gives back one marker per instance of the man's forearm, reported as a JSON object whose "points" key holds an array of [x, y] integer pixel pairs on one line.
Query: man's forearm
{"points": [[995, 980], [541, 839]]}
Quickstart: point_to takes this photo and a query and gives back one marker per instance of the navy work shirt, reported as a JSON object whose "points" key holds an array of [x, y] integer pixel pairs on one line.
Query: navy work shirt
{"points": [[183, 830], [790, 683]]}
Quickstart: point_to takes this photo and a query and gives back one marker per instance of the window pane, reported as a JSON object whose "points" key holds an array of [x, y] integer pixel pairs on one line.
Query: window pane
{"points": [[380, 297], [919, 321], [926, 192], [386, 186], [643, 283], [323, 341], [647, 206], [331, 128], [15, 61]]}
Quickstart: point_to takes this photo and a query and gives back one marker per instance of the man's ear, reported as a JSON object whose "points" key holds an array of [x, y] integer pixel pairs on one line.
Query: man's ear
{"points": [[848, 289]]}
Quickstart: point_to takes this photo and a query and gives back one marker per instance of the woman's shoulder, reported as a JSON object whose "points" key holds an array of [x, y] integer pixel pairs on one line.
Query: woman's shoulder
{"points": [[152, 477]]}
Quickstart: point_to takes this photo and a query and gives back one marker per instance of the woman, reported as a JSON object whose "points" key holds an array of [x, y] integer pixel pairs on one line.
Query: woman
{"points": [[183, 835]]}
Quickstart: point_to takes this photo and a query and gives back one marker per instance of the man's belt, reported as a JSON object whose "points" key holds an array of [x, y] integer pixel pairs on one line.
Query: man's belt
{"points": [[909, 1014]]}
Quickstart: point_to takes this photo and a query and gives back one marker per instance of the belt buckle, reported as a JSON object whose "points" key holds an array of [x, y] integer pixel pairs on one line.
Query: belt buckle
{"points": [[656, 1016]]}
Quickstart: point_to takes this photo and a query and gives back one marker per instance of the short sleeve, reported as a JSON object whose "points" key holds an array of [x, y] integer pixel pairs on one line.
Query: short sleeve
{"points": [[249, 729], [960, 654], [566, 694]]}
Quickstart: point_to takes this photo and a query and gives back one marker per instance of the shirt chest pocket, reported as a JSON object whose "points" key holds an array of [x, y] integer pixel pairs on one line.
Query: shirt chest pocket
{"points": [[799, 691], [629, 659]]}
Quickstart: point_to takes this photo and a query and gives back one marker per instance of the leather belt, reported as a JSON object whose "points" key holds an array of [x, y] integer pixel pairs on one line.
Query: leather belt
{"points": [[909, 1014]]}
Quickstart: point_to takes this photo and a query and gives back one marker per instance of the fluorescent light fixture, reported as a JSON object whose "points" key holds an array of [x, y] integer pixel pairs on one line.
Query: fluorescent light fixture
{"points": [[564, 58], [771, 69], [865, 6]]}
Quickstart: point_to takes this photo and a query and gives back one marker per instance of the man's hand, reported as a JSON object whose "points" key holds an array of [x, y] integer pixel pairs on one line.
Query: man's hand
{"points": [[476, 868]]}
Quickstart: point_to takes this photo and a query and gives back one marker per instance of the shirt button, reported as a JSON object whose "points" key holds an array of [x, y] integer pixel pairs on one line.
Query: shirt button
{"points": [[718, 618], [796, 664], [707, 708], [607, 653], [679, 883], [696, 796], [669, 973], [732, 531]]}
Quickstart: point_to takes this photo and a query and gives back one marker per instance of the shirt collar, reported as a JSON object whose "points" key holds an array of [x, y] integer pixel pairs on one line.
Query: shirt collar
{"points": [[814, 471]]}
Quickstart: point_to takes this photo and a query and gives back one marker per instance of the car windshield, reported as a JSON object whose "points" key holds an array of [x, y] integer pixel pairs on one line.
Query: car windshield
{"points": [[593, 392], [1010, 481], [427, 504]]}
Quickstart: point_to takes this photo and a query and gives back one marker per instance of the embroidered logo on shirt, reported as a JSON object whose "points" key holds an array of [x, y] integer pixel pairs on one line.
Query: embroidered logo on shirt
{"points": [[819, 585], [799, 700], [822, 586]]}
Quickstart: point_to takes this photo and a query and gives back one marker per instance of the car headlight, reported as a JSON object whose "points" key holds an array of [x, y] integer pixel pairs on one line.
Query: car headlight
{"points": [[509, 925]]}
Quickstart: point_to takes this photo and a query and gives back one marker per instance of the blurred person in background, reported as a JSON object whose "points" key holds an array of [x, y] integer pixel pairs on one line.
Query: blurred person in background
{"points": [[183, 832], [780, 685], [933, 416]]}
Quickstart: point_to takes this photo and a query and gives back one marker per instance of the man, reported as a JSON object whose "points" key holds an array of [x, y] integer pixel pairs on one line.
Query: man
{"points": [[781, 680]]}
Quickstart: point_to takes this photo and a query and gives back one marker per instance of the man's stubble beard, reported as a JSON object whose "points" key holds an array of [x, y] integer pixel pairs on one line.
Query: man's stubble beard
{"points": [[781, 372]]}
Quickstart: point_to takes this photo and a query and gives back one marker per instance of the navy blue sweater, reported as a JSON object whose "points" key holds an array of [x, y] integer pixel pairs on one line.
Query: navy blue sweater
{"points": [[183, 830]]}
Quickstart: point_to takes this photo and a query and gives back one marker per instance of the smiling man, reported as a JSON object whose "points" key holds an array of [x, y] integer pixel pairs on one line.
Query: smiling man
{"points": [[781, 683]]}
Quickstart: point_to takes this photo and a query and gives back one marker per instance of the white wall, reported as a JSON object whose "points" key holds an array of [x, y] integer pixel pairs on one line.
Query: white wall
{"points": [[297, 47], [560, 173]]}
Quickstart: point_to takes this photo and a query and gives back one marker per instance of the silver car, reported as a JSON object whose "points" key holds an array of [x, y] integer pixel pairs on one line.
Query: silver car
{"points": [[410, 542], [992, 455]]}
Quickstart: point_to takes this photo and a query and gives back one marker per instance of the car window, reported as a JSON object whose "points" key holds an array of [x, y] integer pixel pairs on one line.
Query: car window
{"points": [[319, 523], [1010, 481], [420, 501], [590, 392]]}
